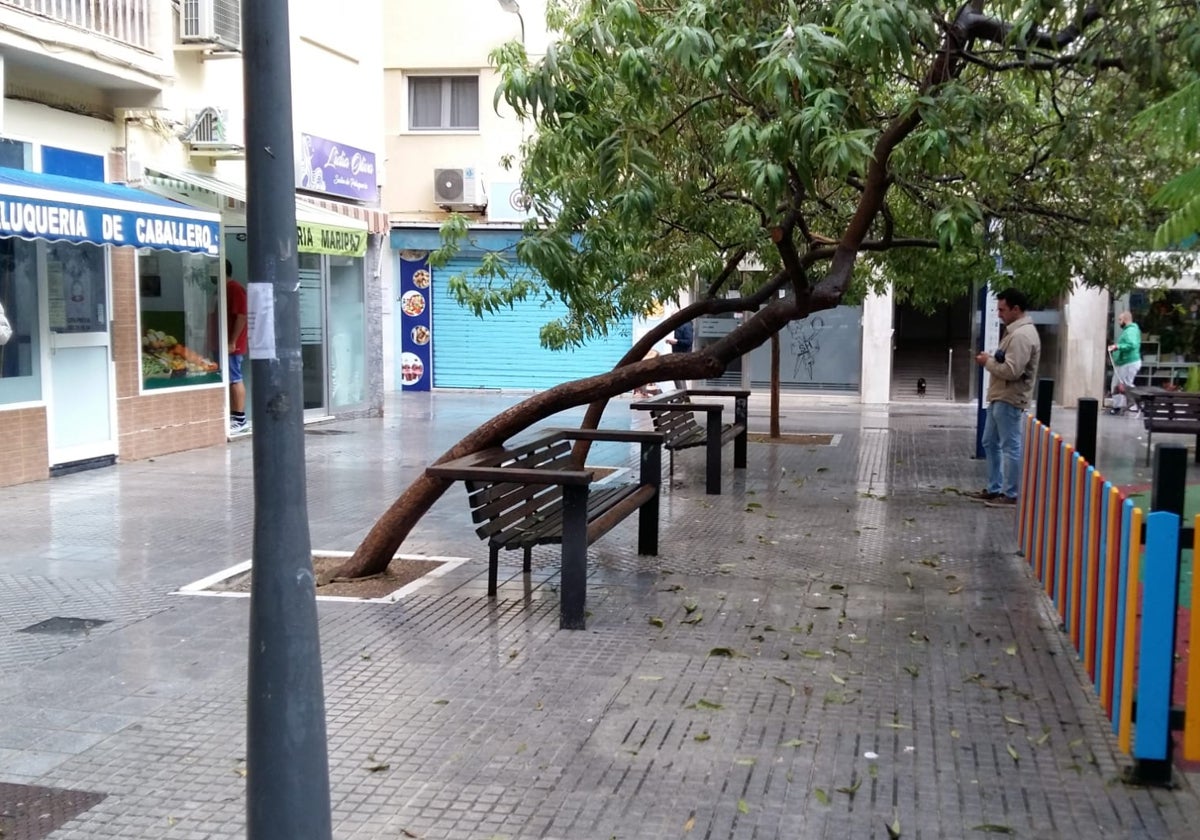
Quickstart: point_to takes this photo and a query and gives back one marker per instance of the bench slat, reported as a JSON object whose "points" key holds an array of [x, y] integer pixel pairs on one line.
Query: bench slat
{"points": [[549, 529]]}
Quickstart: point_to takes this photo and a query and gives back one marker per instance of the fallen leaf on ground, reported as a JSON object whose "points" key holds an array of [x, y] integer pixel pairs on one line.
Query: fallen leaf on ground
{"points": [[821, 796]]}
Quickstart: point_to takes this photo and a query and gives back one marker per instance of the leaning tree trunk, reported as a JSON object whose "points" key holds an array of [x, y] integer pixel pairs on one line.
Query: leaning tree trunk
{"points": [[379, 546]]}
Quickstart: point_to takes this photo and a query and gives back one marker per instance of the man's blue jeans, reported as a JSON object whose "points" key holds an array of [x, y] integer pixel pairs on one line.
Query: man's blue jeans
{"points": [[1002, 446]]}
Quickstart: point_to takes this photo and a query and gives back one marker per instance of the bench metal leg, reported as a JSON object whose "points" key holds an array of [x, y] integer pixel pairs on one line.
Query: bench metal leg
{"points": [[741, 415], [712, 466], [527, 566], [573, 590], [1149, 437], [648, 512], [493, 569]]}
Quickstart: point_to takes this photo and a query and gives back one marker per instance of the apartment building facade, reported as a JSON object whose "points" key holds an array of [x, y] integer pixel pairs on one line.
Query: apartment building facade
{"points": [[122, 194]]}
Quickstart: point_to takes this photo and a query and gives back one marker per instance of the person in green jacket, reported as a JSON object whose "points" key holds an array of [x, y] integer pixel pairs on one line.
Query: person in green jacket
{"points": [[1127, 361]]}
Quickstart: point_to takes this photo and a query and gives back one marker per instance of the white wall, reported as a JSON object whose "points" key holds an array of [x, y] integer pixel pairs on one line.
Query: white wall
{"points": [[1085, 331], [876, 379], [416, 42]]}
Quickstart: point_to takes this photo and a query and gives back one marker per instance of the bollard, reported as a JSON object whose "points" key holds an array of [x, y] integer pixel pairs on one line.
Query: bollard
{"points": [[1045, 394], [1085, 428]]}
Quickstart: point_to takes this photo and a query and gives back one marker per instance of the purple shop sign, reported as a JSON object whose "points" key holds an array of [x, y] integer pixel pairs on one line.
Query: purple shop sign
{"points": [[335, 168]]}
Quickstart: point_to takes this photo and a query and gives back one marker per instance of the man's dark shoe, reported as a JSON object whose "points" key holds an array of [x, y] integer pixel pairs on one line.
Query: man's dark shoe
{"points": [[983, 495], [1002, 501]]}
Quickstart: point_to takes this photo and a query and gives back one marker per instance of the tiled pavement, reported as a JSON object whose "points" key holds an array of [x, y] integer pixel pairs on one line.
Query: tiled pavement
{"points": [[846, 641]]}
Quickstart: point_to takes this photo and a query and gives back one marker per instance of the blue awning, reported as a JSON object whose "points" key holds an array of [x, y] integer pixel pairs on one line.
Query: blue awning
{"points": [[56, 208]]}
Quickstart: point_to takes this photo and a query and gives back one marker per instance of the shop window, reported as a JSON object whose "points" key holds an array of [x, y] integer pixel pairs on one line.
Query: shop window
{"points": [[179, 310], [448, 103], [20, 368], [15, 154]]}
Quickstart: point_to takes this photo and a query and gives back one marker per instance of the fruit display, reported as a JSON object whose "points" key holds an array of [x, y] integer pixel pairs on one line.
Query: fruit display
{"points": [[164, 356]]}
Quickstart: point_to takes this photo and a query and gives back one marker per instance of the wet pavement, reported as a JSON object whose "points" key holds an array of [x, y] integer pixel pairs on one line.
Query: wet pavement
{"points": [[845, 642]]}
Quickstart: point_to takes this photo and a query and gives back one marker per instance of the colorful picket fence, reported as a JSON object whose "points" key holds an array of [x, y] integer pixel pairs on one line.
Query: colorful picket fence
{"points": [[1114, 592]]}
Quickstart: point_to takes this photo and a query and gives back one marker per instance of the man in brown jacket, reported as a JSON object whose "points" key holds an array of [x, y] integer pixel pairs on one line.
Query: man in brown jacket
{"points": [[1013, 369]]}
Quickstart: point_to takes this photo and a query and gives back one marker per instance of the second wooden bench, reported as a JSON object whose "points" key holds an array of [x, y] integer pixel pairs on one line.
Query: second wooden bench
{"points": [[673, 414]]}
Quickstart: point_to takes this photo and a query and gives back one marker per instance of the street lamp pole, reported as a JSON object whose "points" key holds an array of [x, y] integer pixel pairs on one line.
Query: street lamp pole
{"points": [[287, 763], [515, 8]]}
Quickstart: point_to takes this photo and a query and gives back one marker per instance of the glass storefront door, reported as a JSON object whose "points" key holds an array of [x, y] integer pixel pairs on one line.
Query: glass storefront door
{"points": [[81, 406], [332, 327], [312, 333]]}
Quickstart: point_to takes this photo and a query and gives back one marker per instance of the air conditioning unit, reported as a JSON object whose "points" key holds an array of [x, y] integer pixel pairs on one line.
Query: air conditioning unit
{"points": [[211, 23], [459, 188], [211, 133]]}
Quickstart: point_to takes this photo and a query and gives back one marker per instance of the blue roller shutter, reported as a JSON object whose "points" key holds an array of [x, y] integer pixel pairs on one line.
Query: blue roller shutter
{"points": [[502, 350]]}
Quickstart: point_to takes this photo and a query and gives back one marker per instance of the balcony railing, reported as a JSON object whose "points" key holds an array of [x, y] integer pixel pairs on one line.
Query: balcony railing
{"points": [[127, 21]]}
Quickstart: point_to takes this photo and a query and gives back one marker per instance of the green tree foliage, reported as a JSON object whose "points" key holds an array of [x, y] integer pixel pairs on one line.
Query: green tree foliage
{"points": [[672, 135], [1175, 121]]}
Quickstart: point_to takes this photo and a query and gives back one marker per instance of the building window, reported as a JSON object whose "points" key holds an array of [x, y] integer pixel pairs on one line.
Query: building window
{"points": [[20, 365], [443, 103], [180, 320]]}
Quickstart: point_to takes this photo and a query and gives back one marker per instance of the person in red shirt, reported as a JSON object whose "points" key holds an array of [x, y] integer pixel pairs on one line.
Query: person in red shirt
{"points": [[236, 317]]}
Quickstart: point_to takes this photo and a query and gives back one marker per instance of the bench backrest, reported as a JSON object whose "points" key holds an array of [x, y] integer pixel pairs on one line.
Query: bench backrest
{"points": [[1169, 408], [673, 424], [499, 505]]}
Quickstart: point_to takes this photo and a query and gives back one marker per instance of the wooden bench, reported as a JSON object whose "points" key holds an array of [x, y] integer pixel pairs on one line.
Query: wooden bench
{"points": [[673, 414], [1173, 412], [535, 494]]}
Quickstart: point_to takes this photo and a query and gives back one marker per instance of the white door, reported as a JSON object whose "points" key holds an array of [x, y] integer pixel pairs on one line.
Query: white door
{"points": [[81, 405]]}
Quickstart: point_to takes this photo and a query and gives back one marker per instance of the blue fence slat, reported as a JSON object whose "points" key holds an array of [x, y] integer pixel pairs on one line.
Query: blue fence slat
{"points": [[1158, 623], [1119, 652]]}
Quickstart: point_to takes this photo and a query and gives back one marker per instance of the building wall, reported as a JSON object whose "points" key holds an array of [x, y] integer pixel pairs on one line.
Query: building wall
{"points": [[415, 41], [1085, 318], [24, 450]]}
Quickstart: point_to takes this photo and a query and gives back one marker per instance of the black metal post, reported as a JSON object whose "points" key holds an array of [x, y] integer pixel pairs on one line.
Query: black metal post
{"points": [[1167, 493], [287, 762], [741, 417], [651, 473], [712, 459], [1085, 428], [1045, 395], [573, 592]]}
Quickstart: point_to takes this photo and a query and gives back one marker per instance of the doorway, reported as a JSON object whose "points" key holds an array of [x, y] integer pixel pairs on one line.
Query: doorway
{"points": [[934, 347], [74, 281]]}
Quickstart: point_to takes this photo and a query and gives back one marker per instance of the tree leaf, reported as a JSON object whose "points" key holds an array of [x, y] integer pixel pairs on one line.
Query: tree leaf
{"points": [[837, 679], [723, 651], [1013, 752], [701, 737], [794, 742], [992, 828], [821, 796], [743, 807], [690, 823], [852, 789], [706, 704], [694, 618], [657, 622]]}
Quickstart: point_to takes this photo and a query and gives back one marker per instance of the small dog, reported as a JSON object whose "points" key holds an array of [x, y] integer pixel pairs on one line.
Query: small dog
{"points": [[921, 387]]}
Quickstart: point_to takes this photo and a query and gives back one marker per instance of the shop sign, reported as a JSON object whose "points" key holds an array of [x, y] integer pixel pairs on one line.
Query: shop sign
{"points": [[322, 239], [336, 169], [416, 324], [64, 221]]}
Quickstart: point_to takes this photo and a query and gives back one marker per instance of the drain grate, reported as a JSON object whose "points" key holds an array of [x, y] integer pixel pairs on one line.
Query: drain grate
{"points": [[29, 812], [62, 625]]}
